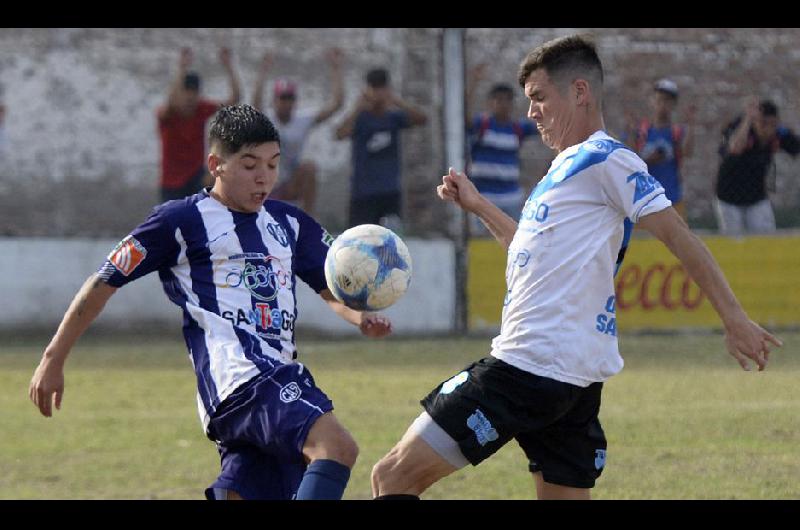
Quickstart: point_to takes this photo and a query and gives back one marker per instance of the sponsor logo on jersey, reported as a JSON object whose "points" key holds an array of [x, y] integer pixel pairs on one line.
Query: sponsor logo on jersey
{"points": [[482, 427], [127, 255], [263, 281], [645, 184], [290, 392]]}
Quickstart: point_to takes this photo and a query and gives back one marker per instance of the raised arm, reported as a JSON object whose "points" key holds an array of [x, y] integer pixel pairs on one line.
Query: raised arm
{"points": [[345, 129], [687, 145], [48, 379], [415, 115], [371, 325], [264, 68], [233, 81], [176, 88], [334, 57], [476, 75], [744, 339], [737, 142], [456, 187]]}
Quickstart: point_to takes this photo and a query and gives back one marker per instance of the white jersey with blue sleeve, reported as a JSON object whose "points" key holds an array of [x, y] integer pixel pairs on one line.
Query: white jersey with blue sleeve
{"points": [[233, 274], [559, 312]]}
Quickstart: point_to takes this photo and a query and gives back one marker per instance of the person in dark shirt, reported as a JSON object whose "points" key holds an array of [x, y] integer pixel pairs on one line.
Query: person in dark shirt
{"points": [[748, 147], [374, 126]]}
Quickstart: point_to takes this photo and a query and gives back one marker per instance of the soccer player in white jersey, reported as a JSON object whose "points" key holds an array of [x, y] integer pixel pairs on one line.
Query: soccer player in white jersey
{"points": [[542, 381], [230, 258]]}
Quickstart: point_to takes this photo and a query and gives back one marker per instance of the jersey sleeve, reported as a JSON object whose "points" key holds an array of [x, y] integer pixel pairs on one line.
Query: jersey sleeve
{"points": [[149, 247], [630, 188], [313, 242]]}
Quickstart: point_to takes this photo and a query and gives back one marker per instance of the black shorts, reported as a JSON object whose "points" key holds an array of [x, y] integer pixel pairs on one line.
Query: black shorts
{"points": [[556, 424], [369, 210]]}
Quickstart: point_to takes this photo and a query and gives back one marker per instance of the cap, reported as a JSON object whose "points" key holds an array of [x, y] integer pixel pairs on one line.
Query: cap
{"points": [[285, 87], [668, 86]]}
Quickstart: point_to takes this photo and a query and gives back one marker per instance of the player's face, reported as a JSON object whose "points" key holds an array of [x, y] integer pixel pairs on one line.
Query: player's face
{"points": [[245, 179], [553, 112]]}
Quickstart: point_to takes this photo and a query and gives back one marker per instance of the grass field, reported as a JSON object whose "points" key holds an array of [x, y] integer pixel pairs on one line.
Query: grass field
{"points": [[683, 421]]}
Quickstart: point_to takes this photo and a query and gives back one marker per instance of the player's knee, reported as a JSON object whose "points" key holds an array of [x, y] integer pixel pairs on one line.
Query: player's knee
{"points": [[344, 449]]}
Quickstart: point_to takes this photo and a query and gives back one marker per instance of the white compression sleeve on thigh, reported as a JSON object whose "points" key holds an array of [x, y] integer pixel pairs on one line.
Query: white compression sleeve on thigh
{"points": [[439, 440]]}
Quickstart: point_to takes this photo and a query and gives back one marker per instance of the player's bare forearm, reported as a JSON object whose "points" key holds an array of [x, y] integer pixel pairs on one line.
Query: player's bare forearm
{"points": [[85, 307], [371, 325], [698, 261], [348, 315], [500, 224], [47, 384]]}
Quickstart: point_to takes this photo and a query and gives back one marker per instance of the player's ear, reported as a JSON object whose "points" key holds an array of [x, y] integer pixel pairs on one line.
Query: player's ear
{"points": [[214, 164], [581, 90]]}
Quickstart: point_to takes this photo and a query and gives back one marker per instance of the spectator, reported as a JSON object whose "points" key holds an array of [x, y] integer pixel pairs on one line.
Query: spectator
{"points": [[374, 125], [495, 140], [664, 144], [747, 149], [181, 125], [297, 178]]}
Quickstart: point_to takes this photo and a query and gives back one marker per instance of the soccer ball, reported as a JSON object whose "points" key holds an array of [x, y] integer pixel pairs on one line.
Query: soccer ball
{"points": [[368, 268]]}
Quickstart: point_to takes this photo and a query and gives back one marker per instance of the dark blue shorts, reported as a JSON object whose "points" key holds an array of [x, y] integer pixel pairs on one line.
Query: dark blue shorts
{"points": [[260, 431]]}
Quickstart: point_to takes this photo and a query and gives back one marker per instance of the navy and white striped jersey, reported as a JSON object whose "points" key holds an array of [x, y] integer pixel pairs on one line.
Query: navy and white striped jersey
{"points": [[233, 274]]}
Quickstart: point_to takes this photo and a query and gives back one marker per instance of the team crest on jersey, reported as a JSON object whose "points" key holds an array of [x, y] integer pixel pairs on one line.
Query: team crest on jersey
{"points": [[278, 232], [290, 392], [127, 255], [597, 146]]}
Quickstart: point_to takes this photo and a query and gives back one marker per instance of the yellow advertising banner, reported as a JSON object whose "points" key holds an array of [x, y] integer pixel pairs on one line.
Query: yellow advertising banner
{"points": [[653, 290]]}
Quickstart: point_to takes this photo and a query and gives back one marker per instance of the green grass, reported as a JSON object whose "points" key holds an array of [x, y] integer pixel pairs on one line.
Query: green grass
{"points": [[683, 421]]}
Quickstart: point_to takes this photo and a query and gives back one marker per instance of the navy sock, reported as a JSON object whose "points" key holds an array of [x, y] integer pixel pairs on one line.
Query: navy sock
{"points": [[396, 497], [323, 480]]}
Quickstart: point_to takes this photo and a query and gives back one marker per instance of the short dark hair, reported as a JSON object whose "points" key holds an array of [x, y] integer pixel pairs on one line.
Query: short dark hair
{"points": [[501, 88], [238, 125], [768, 108], [574, 54], [191, 81], [378, 78]]}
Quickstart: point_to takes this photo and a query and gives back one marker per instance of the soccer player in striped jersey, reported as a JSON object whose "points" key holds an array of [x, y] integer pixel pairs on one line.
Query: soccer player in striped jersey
{"points": [[230, 259], [541, 383]]}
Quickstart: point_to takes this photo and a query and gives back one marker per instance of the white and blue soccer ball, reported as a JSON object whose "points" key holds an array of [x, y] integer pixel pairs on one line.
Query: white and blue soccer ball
{"points": [[368, 268]]}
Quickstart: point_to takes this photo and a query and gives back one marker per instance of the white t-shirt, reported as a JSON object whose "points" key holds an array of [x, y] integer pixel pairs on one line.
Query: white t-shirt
{"points": [[558, 315], [293, 139]]}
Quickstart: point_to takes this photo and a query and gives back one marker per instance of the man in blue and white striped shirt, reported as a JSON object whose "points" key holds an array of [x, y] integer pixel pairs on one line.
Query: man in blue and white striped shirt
{"points": [[230, 258]]}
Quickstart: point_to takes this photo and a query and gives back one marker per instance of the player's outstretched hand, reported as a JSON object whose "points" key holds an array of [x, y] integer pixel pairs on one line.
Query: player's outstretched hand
{"points": [[750, 342], [374, 325], [47, 382], [458, 188]]}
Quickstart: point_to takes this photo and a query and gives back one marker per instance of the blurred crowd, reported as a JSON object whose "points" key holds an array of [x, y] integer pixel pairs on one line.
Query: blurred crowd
{"points": [[496, 130]]}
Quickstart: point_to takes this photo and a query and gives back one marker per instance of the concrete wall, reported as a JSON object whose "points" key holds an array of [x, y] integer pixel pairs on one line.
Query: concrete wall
{"points": [[81, 157], [39, 277]]}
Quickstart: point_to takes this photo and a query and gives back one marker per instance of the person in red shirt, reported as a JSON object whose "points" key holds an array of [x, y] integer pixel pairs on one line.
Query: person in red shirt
{"points": [[181, 126]]}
